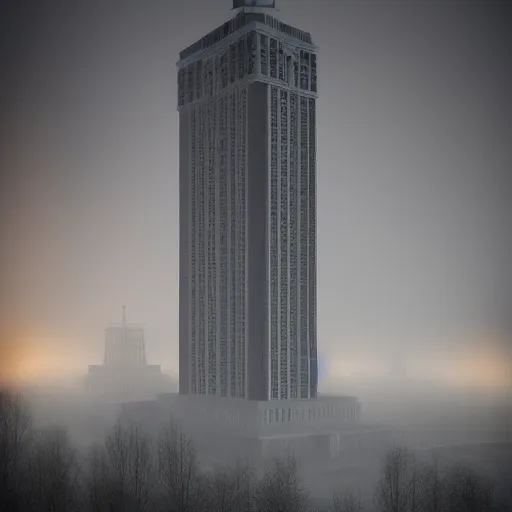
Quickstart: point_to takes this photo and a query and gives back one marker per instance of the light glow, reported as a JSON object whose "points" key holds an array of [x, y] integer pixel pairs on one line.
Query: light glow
{"points": [[27, 359]]}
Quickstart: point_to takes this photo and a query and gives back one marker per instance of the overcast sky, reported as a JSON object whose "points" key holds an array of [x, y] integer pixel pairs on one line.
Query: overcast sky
{"points": [[414, 175]]}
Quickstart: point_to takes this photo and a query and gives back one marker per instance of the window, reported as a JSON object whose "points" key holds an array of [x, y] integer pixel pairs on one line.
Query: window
{"points": [[263, 54], [273, 58], [251, 52]]}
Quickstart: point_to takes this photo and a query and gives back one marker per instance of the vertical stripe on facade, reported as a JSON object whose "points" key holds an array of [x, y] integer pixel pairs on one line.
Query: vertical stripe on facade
{"points": [[201, 256], [312, 250], [223, 242], [233, 239], [284, 239], [214, 98], [185, 271], [274, 248], [304, 235], [241, 255], [212, 249], [193, 251], [294, 262]]}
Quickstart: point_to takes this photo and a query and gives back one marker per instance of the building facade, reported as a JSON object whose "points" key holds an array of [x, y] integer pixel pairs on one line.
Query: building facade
{"points": [[247, 108], [125, 374], [124, 344], [258, 430]]}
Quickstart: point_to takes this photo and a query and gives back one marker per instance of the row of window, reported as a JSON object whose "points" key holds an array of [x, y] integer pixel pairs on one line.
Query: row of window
{"points": [[211, 119], [241, 213], [284, 232], [294, 159], [312, 247], [304, 241], [274, 247], [301, 414], [289, 284], [211, 75], [271, 415], [211, 265], [233, 119], [224, 234], [284, 243]]}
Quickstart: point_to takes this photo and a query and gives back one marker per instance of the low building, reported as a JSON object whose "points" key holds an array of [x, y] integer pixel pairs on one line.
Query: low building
{"points": [[224, 428]]}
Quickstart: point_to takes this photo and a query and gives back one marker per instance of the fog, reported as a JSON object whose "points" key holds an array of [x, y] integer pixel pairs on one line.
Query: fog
{"points": [[414, 213], [472, 436], [413, 184]]}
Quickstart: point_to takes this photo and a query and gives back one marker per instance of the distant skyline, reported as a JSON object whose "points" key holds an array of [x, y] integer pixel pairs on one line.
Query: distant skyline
{"points": [[414, 182]]}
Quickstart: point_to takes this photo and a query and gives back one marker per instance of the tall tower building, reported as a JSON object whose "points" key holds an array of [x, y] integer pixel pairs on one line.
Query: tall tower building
{"points": [[247, 109]]}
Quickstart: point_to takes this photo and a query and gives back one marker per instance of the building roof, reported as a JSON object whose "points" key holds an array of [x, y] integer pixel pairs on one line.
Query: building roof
{"points": [[254, 3], [236, 23]]}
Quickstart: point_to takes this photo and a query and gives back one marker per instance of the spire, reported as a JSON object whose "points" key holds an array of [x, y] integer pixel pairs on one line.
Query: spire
{"points": [[124, 315]]}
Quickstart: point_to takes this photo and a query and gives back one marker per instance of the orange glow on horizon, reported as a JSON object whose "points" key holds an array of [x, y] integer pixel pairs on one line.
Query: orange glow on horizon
{"points": [[484, 371], [30, 359], [484, 367]]}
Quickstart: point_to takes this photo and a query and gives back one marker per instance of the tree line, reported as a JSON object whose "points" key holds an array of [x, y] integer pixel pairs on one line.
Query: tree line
{"points": [[131, 471]]}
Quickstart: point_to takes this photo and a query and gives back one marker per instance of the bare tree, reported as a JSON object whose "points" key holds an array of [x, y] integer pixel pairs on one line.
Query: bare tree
{"points": [[140, 467], [468, 491], [431, 488], [397, 489], [231, 488], [217, 491], [97, 485], [178, 469], [55, 473], [280, 489], [128, 459], [414, 485], [15, 434], [244, 485], [347, 501], [116, 451]]}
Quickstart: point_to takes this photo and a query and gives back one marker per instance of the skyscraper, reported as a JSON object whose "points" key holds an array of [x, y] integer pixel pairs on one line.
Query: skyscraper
{"points": [[247, 107]]}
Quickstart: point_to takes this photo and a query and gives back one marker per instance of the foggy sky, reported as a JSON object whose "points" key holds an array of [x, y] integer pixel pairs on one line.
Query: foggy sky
{"points": [[414, 174]]}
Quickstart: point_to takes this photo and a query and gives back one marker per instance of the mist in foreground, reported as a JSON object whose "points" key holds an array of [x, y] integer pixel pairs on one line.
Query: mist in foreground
{"points": [[94, 457]]}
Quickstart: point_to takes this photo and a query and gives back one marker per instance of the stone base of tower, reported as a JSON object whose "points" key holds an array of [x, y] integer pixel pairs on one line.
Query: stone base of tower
{"points": [[224, 428]]}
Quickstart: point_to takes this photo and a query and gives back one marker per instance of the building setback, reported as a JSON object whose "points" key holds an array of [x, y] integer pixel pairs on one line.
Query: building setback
{"points": [[247, 108]]}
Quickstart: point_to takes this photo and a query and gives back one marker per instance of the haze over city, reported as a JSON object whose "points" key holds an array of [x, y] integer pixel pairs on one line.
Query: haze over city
{"points": [[414, 239], [255, 256]]}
